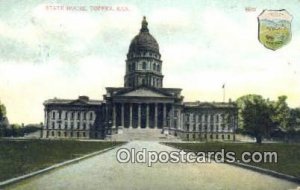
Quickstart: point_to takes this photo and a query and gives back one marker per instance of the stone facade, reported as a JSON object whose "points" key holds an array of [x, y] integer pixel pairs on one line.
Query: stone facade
{"points": [[142, 103]]}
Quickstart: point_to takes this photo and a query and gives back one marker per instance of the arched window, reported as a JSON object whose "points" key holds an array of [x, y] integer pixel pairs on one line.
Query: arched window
{"points": [[158, 68], [144, 65], [154, 67], [133, 67]]}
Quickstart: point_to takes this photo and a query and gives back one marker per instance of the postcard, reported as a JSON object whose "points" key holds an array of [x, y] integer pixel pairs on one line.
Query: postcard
{"points": [[116, 94]]}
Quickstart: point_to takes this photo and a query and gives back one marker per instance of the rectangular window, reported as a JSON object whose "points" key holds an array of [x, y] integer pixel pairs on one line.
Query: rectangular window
{"points": [[91, 116], [53, 115]]}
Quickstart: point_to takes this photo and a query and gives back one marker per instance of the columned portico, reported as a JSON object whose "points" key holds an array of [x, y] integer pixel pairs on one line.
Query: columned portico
{"points": [[157, 114]]}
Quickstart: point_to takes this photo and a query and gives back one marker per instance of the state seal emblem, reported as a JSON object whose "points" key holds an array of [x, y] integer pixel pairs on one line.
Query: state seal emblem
{"points": [[274, 28]]}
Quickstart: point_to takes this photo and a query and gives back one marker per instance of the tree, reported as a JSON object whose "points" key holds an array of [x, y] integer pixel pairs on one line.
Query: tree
{"points": [[256, 115], [281, 115], [294, 119], [3, 120], [2, 111]]}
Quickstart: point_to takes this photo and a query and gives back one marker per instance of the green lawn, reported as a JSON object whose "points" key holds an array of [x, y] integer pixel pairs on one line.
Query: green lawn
{"points": [[288, 154], [21, 157]]}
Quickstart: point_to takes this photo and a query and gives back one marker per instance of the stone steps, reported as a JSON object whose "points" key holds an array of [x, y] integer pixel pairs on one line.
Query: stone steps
{"points": [[130, 134]]}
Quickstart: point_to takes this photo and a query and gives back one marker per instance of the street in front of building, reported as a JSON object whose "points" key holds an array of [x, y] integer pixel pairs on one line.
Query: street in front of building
{"points": [[105, 172]]}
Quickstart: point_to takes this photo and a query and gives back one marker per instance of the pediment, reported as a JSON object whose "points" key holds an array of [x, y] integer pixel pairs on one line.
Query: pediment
{"points": [[78, 102], [143, 92]]}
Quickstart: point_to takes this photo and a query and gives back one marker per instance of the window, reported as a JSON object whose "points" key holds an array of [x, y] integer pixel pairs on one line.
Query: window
{"points": [[78, 115], [133, 66], [154, 67], [59, 133], [52, 133], [53, 115], [84, 116], [228, 136], [84, 126], [129, 67], [72, 125], [83, 134], [144, 65], [72, 115], [53, 125], [66, 125], [59, 114], [91, 116], [158, 68]]}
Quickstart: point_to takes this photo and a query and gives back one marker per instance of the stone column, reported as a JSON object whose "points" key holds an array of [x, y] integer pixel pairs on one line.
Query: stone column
{"points": [[147, 116], [139, 115], [130, 115], [114, 116], [172, 117], [155, 115], [197, 122], [122, 115], [164, 115]]}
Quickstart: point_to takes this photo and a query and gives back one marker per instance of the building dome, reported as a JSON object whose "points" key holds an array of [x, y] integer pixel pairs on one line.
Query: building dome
{"points": [[144, 41]]}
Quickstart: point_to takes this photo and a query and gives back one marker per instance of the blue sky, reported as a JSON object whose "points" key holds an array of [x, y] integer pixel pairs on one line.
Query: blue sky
{"points": [[204, 44]]}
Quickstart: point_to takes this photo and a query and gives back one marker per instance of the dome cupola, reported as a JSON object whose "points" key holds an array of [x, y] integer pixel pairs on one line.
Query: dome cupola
{"points": [[144, 41], [143, 64]]}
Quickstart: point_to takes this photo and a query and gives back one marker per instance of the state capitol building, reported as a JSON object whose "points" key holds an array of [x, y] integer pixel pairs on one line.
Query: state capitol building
{"points": [[142, 109]]}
